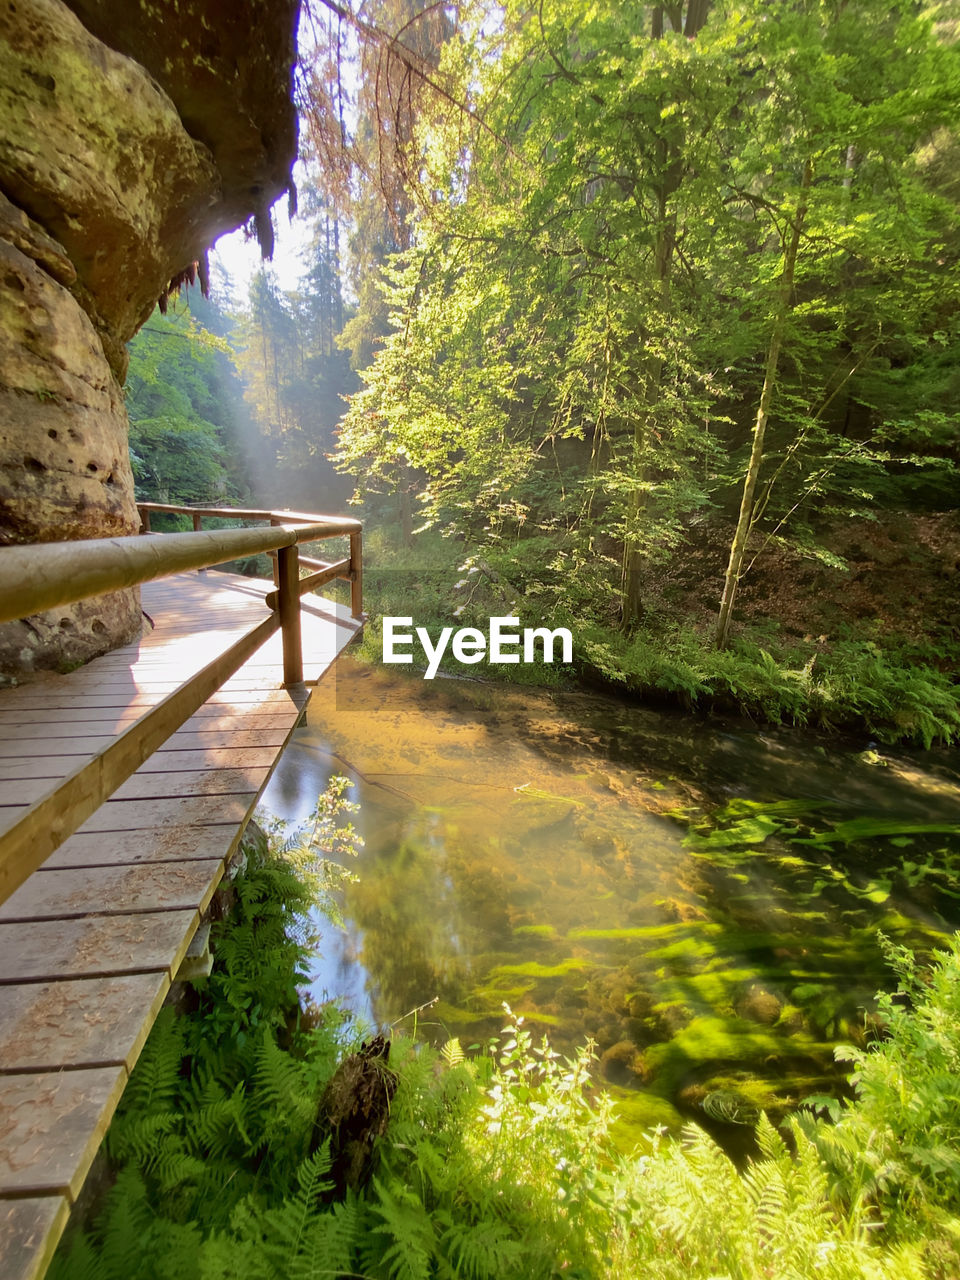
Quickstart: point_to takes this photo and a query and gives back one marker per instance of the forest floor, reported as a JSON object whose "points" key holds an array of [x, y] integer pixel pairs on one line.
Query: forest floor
{"points": [[900, 586]]}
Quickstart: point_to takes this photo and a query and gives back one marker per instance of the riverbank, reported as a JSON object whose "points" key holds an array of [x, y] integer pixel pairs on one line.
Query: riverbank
{"points": [[862, 639]]}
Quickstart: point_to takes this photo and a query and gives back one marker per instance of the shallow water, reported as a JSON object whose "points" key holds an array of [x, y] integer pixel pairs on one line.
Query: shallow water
{"points": [[692, 896]]}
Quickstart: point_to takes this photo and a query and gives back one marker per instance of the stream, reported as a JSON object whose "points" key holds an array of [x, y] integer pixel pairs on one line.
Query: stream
{"points": [[702, 900]]}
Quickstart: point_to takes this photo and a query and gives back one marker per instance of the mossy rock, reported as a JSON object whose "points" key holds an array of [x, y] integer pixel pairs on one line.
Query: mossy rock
{"points": [[622, 1063], [758, 1004]]}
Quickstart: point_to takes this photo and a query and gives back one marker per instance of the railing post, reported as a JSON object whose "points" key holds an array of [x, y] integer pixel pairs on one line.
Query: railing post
{"points": [[198, 528], [288, 606], [274, 562], [145, 521], [356, 574]]}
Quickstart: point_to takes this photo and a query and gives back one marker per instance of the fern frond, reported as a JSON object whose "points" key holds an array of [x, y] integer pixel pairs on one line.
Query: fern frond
{"points": [[407, 1229], [482, 1250], [452, 1053]]}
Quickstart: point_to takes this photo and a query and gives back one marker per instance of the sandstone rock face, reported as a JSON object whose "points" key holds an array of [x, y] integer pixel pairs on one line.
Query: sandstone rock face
{"points": [[227, 67], [66, 638], [95, 152], [132, 134], [64, 466]]}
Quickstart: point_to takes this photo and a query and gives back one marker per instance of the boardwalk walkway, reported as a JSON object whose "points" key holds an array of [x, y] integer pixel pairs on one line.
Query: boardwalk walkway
{"points": [[91, 942]]}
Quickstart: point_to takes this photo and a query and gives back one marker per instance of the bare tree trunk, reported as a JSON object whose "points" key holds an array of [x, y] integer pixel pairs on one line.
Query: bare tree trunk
{"points": [[785, 302]]}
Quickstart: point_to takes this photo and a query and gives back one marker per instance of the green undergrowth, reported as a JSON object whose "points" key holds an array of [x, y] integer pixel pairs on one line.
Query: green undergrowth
{"points": [[226, 1163], [846, 684]]}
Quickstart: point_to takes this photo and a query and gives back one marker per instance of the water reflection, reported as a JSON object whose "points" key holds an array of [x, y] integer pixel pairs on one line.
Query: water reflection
{"points": [[524, 847]]}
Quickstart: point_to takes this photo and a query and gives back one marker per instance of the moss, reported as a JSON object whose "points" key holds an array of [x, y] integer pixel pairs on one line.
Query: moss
{"points": [[532, 969], [534, 931], [637, 1114], [713, 1039]]}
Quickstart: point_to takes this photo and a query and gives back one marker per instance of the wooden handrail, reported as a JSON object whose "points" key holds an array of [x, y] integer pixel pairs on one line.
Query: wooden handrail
{"points": [[239, 513], [44, 576], [328, 526], [60, 811], [47, 574], [327, 573]]}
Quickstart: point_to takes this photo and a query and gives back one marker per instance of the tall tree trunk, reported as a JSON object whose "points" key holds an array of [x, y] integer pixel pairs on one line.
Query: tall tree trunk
{"points": [[784, 305], [671, 176]]}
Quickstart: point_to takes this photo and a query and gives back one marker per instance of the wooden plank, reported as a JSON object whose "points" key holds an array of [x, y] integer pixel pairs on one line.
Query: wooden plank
{"points": [[188, 740], [215, 782], [55, 731], [124, 848], [29, 1232], [210, 731], [38, 767], [112, 702], [199, 761], [162, 886], [47, 823], [85, 1022], [258, 715], [149, 815], [57, 716], [14, 749], [24, 792], [247, 702], [52, 1125], [95, 946], [177, 644], [266, 678]]}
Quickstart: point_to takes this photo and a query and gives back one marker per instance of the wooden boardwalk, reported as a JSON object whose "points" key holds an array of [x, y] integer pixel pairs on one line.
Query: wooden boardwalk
{"points": [[91, 942]]}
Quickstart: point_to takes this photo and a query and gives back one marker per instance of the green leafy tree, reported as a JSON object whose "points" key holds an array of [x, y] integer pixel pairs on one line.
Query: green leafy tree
{"points": [[180, 420], [668, 217]]}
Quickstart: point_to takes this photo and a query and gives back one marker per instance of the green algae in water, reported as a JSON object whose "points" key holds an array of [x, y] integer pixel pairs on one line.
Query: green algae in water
{"points": [[639, 1113], [873, 828], [533, 969], [513, 850], [646, 933]]}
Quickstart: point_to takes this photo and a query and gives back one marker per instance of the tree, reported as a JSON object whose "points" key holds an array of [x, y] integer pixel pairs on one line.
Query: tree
{"points": [[831, 171], [180, 424], [587, 313]]}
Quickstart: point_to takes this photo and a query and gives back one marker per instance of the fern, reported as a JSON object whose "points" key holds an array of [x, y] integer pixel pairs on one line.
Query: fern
{"points": [[156, 1081], [407, 1241], [452, 1053], [482, 1250], [284, 1102]]}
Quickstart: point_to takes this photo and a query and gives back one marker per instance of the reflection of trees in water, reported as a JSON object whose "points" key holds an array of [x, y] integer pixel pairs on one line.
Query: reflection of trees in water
{"points": [[404, 907]]}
